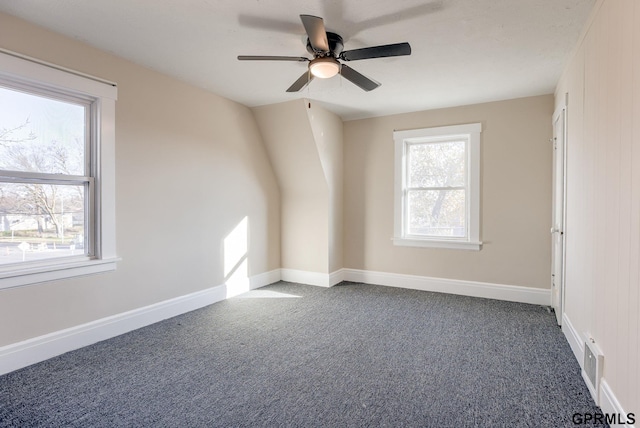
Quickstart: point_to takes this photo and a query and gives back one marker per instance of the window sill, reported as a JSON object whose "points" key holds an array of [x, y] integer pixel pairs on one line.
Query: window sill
{"points": [[53, 272], [433, 243]]}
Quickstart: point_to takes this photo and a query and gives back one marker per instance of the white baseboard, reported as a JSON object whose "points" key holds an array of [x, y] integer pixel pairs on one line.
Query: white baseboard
{"points": [[31, 351], [611, 406], [312, 278], [336, 277], [511, 293], [265, 278], [575, 342]]}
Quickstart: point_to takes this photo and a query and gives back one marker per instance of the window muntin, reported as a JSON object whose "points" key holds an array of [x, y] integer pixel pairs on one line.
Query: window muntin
{"points": [[437, 187]]}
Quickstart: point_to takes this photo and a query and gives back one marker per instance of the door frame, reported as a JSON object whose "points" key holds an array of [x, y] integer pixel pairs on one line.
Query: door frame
{"points": [[558, 226]]}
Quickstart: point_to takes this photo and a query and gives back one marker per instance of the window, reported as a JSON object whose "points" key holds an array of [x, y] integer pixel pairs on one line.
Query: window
{"points": [[437, 187], [57, 184]]}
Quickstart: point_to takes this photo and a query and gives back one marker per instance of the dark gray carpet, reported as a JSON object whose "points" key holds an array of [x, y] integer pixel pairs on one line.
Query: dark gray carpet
{"points": [[351, 355]]}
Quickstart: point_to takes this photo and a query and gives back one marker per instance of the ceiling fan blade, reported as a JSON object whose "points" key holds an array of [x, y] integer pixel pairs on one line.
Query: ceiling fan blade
{"points": [[358, 79], [271, 58], [397, 49], [314, 26], [300, 84]]}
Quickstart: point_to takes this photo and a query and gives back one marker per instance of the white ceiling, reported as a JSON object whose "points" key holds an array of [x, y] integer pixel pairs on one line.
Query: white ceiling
{"points": [[464, 51]]}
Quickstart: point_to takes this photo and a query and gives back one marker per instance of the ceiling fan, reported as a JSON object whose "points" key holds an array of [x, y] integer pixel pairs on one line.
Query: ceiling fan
{"points": [[326, 48]]}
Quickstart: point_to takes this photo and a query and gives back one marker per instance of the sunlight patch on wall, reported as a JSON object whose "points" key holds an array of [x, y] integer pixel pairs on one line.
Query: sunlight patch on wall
{"points": [[236, 262]]}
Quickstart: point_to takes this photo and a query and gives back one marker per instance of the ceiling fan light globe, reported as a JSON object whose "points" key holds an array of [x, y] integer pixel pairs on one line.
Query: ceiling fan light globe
{"points": [[324, 68]]}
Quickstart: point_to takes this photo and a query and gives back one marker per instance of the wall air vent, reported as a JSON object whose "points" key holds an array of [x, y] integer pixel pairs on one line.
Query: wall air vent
{"points": [[592, 367]]}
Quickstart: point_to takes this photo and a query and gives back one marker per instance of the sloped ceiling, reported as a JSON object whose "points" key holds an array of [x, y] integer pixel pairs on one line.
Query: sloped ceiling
{"points": [[464, 51]]}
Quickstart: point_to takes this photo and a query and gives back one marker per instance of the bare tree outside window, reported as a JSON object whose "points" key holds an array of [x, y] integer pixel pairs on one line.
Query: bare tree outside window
{"points": [[436, 180], [42, 141]]}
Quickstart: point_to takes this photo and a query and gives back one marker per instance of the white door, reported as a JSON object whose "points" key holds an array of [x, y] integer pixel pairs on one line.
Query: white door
{"points": [[557, 219]]}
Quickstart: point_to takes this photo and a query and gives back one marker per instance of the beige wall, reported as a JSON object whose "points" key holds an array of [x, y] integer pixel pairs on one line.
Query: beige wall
{"points": [[327, 132], [304, 142], [190, 166], [305, 196], [602, 288], [515, 202]]}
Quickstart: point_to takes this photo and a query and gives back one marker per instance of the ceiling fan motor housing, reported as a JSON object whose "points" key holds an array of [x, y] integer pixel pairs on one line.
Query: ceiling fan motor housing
{"points": [[336, 46]]}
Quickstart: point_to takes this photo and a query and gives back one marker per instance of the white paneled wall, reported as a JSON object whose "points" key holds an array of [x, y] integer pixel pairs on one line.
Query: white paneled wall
{"points": [[603, 192]]}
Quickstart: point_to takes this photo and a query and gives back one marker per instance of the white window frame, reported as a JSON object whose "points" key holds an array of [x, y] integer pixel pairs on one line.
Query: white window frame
{"points": [[470, 133], [19, 70]]}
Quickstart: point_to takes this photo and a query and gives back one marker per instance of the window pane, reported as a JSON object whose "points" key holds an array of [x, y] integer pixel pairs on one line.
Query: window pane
{"points": [[436, 164], [41, 221], [40, 134], [437, 213]]}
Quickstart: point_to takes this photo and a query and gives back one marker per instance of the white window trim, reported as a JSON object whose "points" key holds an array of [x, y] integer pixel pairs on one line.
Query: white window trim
{"points": [[401, 139], [25, 70]]}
